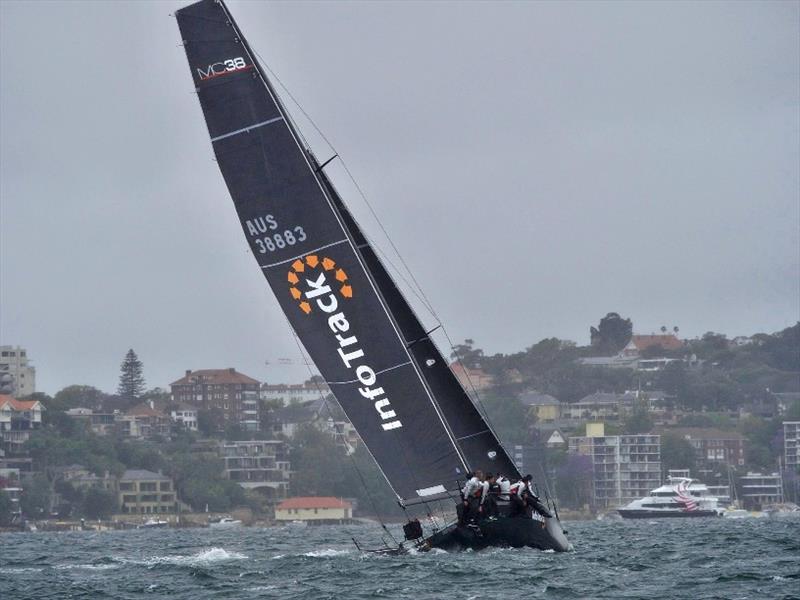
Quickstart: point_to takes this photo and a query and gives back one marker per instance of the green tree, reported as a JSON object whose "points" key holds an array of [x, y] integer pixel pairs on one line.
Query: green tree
{"points": [[6, 506], [574, 481], [467, 354], [612, 334], [98, 503], [77, 396], [508, 417], [639, 420], [676, 452], [131, 379], [36, 495]]}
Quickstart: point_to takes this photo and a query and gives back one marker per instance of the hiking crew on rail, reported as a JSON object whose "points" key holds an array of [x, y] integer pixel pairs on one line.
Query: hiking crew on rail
{"points": [[483, 495]]}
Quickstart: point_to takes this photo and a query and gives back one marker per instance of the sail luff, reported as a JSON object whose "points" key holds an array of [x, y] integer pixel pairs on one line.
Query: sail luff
{"points": [[359, 350]]}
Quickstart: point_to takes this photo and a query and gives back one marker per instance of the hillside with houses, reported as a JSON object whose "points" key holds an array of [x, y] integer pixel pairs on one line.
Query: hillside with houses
{"points": [[603, 424]]}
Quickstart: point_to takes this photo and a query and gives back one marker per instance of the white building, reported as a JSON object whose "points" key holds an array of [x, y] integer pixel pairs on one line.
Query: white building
{"points": [[759, 490], [625, 467], [185, 414], [298, 393], [17, 375], [314, 509], [18, 418], [791, 445]]}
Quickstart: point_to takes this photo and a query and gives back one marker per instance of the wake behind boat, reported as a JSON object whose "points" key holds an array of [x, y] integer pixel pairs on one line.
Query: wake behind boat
{"points": [[374, 353], [681, 497]]}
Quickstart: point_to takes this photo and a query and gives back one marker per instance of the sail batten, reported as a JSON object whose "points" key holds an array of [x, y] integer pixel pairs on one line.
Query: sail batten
{"points": [[309, 257]]}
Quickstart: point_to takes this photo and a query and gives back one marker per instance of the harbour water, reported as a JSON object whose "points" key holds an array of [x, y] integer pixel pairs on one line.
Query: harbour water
{"points": [[697, 558]]}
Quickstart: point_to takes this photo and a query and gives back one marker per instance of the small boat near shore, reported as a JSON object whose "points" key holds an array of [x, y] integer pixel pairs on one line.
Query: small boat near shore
{"points": [[225, 523], [153, 524]]}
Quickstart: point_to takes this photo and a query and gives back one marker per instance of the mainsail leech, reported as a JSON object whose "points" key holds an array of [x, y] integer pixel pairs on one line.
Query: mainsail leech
{"points": [[387, 374]]}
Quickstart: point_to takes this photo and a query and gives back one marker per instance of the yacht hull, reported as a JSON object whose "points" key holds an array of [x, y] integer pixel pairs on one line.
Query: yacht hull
{"points": [[515, 532], [663, 514]]}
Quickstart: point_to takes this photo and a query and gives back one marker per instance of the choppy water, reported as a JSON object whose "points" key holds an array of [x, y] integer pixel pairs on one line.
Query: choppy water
{"points": [[695, 559]]}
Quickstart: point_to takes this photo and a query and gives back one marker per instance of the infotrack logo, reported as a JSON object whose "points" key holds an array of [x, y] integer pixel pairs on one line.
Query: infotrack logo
{"points": [[315, 271], [312, 274]]}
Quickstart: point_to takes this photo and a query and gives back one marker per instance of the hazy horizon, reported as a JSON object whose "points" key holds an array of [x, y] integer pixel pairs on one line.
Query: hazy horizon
{"points": [[537, 164]]}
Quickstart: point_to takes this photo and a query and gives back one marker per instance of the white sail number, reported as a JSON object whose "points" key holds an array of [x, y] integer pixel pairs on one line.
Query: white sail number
{"points": [[277, 241], [273, 241]]}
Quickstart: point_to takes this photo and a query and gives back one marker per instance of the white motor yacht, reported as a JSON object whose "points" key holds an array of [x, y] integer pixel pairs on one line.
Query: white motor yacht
{"points": [[680, 497]]}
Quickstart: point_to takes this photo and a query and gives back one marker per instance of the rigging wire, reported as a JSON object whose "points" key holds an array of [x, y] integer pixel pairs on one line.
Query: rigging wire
{"points": [[266, 66], [327, 406], [416, 288], [421, 293]]}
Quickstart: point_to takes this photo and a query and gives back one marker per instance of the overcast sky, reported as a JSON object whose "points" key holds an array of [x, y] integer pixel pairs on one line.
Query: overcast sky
{"points": [[537, 165]]}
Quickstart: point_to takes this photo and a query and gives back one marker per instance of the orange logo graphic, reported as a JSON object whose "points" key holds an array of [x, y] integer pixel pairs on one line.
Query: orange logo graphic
{"points": [[302, 267]]}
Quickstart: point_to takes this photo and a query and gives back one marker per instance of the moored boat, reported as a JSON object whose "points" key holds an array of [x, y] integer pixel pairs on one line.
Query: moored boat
{"points": [[225, 523]]}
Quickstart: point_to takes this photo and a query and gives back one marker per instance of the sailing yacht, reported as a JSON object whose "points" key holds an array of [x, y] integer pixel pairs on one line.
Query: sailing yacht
{"points": [[377, 358]]}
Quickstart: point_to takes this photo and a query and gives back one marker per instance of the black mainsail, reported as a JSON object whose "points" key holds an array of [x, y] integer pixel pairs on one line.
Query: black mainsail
{"points": [[387, 374]]}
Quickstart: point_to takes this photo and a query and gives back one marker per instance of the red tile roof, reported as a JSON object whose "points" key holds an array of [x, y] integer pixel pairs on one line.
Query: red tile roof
{"points": [[666, 341], [19, 405], [214, 376], [313, 502], [144, 410]]}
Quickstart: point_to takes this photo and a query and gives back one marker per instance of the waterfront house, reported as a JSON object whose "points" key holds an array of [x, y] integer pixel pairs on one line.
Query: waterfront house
{"points": [[314, 509], [145, 492]]}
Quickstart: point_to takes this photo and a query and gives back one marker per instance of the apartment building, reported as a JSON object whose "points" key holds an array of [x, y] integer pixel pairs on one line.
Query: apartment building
{"points": [[791, 445], [17, 375], [712, 447], [297, 393], [257, 464], [625, 467], [231, 395], [145, 492], [760, 490]]}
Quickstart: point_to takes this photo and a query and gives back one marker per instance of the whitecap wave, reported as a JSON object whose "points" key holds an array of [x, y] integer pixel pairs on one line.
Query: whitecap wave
{"points": [[200, 559], [17, 570], [326, 553], [87, 567], [261, 588]]}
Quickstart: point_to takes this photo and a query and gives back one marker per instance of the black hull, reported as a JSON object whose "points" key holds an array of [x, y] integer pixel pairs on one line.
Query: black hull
{"points": [[663, 514], [515, 532]]}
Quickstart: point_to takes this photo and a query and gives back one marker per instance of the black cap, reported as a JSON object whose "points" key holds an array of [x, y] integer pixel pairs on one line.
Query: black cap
{"points": [[528, 477]]}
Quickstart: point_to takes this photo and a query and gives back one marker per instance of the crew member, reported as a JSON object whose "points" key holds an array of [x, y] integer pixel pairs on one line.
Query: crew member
{"points": [[505, 488], [530, 498], [489, 493], [471, 496]]}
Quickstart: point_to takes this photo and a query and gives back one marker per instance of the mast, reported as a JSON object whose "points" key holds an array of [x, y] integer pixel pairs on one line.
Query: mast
{"points": [[310, 261], [387, 374]]}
